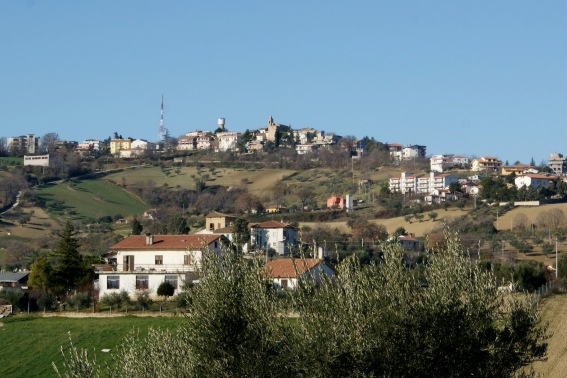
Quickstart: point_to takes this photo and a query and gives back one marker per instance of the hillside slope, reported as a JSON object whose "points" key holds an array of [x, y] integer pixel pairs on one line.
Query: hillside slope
{"points": [[553, 310]]}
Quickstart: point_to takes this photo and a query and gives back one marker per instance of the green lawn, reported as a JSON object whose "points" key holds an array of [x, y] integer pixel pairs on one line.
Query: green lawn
{"points": [[30, 343], [5, 161], [91, 198]]}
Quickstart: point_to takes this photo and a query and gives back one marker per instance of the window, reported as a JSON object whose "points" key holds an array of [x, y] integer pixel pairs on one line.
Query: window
{"points": [[187, 260], [284, 284], [128, 263], [113, 282], [142, 282], [159, 259], [172, 279]]}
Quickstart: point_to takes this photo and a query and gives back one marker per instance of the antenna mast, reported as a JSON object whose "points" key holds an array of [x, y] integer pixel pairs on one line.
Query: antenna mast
{"points": [[162, 130]]}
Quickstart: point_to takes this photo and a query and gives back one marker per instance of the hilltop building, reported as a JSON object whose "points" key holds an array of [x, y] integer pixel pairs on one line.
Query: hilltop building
{"points": [[486, 163], [558, 163], [28, 144], [421, 184]]}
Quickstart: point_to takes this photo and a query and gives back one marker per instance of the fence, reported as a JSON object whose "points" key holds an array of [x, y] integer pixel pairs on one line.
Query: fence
{"points": [[545, 289]]}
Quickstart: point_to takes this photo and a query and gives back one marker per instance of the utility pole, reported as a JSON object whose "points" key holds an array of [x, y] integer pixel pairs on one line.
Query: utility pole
{"points": [[556, 260], [496, 220]]}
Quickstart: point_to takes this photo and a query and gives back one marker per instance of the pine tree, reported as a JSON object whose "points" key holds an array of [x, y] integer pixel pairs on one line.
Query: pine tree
{"points": [[137, 227], [69, 270]]}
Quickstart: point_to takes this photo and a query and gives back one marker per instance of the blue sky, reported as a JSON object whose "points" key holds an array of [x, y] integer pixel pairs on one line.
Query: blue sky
{"points": [[474, 78]]}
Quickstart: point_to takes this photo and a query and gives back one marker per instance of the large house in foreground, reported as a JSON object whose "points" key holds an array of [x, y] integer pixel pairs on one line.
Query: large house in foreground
{"points": [[143, 262]]}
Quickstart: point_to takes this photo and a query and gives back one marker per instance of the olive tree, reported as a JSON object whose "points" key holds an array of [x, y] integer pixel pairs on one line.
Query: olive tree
{"points": [[444, 318]]}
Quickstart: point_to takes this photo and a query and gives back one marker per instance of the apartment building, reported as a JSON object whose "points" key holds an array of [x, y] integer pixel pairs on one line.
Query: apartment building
{"points": [[28, 144]]}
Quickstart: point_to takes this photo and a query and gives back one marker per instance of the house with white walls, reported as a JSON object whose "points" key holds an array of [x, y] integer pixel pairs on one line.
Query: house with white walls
{"points": [[287, 273], [228, 141], [413, 151], [143, 262], [281, 237], [441, 163], [532, 180], [486, 163]]}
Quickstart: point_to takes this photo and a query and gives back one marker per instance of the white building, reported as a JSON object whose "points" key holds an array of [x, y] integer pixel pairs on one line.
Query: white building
{"points": [[194, 140], [144, 145], [395, 150], [228, 141], [47, 160], [303, 149], [89, 144], [143, 262], [305, 135], [486, 163], [205, 141], [288, 273], [440, 163], [413, 151], [420, 184], [532, 180], [274, 235]]}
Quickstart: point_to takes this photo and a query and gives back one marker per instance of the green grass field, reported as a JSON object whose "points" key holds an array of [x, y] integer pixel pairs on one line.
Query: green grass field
{"points": [[31, 343], [91, 198], [5, 161]]}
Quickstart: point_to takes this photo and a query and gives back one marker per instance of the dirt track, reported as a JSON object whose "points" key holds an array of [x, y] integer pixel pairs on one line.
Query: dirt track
{"points": [[73, 314], [553, 311]]}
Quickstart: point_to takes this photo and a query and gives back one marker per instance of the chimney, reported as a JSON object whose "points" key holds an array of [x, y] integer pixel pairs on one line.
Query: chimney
{"points": [[149, 239]]}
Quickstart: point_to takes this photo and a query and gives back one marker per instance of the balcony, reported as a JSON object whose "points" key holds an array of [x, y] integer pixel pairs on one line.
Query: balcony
{"points": [[152, 268]]}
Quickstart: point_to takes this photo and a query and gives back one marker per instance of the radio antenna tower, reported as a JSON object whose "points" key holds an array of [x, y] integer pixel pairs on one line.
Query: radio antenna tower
{"points": [[162, 130]]}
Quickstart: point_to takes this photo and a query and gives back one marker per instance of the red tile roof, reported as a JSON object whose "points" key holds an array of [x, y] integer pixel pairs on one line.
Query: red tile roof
{"points": [[407, 237], [538, 176], [271, 224], [166, 242], [291, 268]]}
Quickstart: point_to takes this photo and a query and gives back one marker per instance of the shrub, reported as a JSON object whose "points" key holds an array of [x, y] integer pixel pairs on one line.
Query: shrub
{"points": [[46, 302], [116, 299], [79, 300], [143, 300], [12, 297], [165, 289]]}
